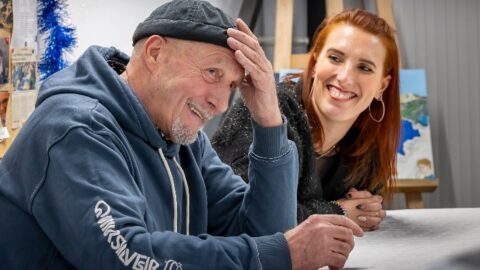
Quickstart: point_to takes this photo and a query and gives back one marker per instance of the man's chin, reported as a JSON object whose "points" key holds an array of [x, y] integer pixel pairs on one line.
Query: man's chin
{"points": [[185, 140], [184, 137], [181, 134]]}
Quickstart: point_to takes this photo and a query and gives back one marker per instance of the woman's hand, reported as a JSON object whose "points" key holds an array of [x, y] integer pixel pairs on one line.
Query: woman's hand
{"points": [[364, 208]]}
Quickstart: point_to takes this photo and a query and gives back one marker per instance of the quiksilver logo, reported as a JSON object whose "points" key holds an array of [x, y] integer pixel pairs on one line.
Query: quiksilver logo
{"points": [[119, 244]]}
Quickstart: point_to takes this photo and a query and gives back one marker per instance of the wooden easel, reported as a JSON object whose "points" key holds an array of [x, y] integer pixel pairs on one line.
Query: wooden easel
{"points": [[284, 59]]}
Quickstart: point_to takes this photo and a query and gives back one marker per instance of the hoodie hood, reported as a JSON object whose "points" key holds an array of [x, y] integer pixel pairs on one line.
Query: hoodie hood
{"points": [[96, 75]]}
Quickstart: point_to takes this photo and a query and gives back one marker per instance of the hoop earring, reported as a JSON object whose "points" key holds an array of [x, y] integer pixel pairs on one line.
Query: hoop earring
{"points": [[383, 111]]}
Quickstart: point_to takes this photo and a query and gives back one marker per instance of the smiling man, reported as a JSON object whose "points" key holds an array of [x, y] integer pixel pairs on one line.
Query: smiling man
{"points": [[194, 85], [111, 171]]}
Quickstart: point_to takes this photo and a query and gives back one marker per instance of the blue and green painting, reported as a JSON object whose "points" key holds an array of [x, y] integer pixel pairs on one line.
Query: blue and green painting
{"points": [[415, 158]]}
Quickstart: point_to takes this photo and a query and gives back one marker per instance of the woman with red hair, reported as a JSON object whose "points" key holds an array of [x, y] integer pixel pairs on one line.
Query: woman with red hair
{"points": [[344, 116]]}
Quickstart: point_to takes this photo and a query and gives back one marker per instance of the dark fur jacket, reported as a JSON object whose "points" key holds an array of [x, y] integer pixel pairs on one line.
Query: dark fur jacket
{"points": [[232, 141]]}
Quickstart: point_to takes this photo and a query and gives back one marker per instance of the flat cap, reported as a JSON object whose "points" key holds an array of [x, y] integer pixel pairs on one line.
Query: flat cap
{"points": [[189, 20]]}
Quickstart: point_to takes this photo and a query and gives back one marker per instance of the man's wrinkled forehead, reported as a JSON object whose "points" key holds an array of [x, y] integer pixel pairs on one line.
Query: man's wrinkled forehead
{"points": [[207, 54], [226, 58]]}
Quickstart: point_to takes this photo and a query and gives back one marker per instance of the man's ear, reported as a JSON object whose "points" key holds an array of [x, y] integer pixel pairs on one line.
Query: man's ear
{"points": [[152, 49], [385, 82]]}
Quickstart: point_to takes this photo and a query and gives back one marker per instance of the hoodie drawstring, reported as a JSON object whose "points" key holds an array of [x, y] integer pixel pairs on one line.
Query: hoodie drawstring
{"points": [[174, 192], [187, 192]]}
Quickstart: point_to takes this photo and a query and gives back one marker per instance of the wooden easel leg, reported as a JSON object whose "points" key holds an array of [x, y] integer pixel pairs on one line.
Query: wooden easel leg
{"points": [[414, 200]]}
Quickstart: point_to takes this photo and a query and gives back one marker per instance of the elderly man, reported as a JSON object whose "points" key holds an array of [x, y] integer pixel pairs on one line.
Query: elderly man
{"points": [[112, 172]]}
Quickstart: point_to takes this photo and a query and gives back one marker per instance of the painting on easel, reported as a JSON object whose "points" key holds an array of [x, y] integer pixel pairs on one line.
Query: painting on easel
{"points": [[414, 155]]}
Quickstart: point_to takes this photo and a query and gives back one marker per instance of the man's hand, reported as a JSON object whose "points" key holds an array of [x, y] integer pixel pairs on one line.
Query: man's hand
{"points": [[322, 240], [364, 208], [258, 87]]}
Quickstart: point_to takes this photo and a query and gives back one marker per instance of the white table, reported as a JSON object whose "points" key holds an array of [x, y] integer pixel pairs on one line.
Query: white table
{"points": [[420, 239]]}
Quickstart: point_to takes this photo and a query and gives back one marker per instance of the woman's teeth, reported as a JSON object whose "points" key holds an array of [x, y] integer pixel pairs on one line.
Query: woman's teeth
{"points": [[334, 92]]}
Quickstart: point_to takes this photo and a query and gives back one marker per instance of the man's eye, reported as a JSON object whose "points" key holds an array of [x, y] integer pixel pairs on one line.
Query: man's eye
{"points": [[211, 75], [212, 72]]}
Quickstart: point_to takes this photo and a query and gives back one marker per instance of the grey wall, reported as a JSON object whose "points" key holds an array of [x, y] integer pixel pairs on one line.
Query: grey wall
{"points": [[443, 37]]}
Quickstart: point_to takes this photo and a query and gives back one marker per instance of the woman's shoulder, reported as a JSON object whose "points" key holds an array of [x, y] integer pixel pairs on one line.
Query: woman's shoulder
{"points": [[289, 99], [289, 91]]}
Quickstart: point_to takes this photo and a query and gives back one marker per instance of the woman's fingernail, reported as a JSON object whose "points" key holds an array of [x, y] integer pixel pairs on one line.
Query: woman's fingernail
{"points": [[359, 207], [362, 218]]}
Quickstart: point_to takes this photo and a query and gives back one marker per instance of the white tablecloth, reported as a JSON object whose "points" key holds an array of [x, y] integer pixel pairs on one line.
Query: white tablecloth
{"points": [[421, 239]]}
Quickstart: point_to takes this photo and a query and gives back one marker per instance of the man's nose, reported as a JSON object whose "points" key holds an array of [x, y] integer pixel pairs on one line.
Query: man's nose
{"points": [[220, 99]]}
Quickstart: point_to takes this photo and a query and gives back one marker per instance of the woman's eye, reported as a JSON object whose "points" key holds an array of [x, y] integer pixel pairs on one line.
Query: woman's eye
{"points": [[334, 58], [365, 68]]}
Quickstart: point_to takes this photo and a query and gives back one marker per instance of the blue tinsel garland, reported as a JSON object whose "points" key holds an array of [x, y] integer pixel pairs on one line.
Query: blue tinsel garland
{"points": [[59, 37]]}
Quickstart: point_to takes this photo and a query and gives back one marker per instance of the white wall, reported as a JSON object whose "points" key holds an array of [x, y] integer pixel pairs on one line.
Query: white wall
{"points": [[108, 22], [112, 22]]}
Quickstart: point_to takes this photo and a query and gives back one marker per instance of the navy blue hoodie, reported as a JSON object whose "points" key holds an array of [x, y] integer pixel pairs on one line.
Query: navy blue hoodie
{"points": [[90, 183]]}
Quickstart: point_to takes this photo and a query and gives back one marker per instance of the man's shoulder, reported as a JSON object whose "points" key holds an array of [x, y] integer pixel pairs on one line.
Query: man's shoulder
{"points": [[68, 105], [62, 112]]}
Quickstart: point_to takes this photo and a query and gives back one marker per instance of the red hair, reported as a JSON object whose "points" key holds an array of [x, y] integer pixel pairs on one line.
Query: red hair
{"points": [[370, 147]]}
